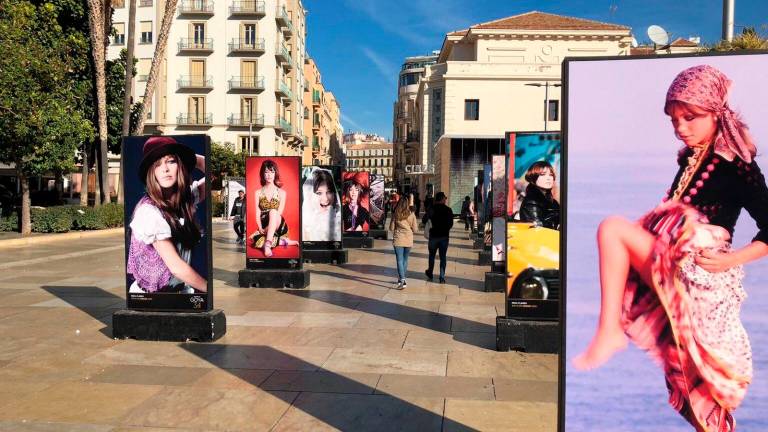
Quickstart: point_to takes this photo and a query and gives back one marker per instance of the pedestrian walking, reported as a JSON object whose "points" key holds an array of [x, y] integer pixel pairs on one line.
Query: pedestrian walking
{"points": [[441, 218], [465, 212], [238, 216], [402, 225]]}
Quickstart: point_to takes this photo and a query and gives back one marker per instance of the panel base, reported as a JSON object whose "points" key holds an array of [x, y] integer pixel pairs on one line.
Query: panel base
{"points": [[379, 234], [478, 243], [325, 256], [527, 336], [357, 242], [169, 326], [495, 282], [484, 258], [278, 278]]}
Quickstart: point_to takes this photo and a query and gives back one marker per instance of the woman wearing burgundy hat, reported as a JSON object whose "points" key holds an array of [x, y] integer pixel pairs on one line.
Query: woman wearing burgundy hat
{"points": [[671, 282], [356, 217], [163, 226]]}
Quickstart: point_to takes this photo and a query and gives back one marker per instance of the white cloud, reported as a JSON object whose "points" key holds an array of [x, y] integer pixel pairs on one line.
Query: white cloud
{"points": [[388, 69], [348, 120]]}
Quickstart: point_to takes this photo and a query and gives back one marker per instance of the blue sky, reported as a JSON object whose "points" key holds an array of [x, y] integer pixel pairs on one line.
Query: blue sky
{"points": [[359, 45]]}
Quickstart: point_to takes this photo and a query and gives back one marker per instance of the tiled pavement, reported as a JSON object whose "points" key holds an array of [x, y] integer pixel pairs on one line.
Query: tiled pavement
{"points": [[348, 353]]}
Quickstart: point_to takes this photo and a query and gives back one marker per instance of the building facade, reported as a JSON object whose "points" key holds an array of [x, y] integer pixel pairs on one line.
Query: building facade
{"points": [[321, 120], [232, 69], [369, 152], [405, 131], [494, 77]]}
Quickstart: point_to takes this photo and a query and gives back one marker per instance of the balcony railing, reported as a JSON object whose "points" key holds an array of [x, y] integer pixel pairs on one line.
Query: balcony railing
{"points": [[316, 98], [255, 83], [281, 16], [195, 119], [238, 120], [248, 8], [196, 44], [252, 45], [194, 82], [283, 55], [283, 125], [196, 7], [283, 90]]}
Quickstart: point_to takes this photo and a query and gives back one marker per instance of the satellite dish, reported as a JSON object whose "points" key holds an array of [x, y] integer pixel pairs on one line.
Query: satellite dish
{"points": [[658, 35], [634, 42]]}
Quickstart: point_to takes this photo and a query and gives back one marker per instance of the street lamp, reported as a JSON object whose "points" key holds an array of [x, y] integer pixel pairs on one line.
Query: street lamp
{"points": [[546, 86]]}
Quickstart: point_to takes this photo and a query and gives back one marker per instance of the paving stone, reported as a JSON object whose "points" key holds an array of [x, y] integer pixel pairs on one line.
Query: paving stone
{"points": [[436, 386], [386, 361], [465, 415]]}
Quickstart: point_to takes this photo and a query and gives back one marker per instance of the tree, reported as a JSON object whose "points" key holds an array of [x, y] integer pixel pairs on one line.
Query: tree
{"points": [[128, 88], [224, 160], [748, 39], [40, 125], [157, 58]]}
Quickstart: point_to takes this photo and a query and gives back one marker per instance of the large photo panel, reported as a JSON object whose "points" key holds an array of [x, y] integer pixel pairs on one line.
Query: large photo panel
{"points": [[273, 212], [321, 207], [664, 329], [532, 252], [377, 201], [356, 211], [167, 220]]}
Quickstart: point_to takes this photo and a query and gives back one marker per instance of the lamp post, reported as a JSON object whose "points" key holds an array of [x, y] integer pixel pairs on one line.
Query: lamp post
{"points": [[546, 86]]}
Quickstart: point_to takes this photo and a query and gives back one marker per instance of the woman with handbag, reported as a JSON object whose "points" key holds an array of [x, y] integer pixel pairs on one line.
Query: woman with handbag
{"points": [[672, 281], [403, 224]]}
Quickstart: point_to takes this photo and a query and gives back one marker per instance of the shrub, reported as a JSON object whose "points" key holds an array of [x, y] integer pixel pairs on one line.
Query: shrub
{"points": [[10, 222], [111, 215], [218, 208], [86, 218], [52, 219]]}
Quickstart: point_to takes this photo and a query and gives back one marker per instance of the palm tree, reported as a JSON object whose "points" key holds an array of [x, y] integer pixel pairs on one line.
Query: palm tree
{"points": [[128, 88], [747, 40], [157, 58]]}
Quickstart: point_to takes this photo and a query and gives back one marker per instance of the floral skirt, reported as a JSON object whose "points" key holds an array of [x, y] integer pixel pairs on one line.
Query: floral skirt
{"points": [[688, 320]]}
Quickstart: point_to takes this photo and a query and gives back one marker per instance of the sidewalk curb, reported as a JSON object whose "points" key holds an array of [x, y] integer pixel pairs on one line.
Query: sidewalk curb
{"points": [[47, 238]]}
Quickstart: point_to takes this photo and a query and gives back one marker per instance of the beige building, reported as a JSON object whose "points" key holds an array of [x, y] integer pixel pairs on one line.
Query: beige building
{"points": [[321, 119], [232, 69], [678, 46], [494, 77], [369, 152], [405, 131]]}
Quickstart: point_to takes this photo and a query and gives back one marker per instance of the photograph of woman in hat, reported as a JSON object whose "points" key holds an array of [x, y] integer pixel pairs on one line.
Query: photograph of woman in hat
{"points": [[271, 227], [321, 206], [163, 226], [355, 213], [671, 282]]}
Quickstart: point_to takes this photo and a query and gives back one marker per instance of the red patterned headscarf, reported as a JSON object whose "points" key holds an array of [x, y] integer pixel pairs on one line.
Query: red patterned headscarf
{"points": [[708, 88]]}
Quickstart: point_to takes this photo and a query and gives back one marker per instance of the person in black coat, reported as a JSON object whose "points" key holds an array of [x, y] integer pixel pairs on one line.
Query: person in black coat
{"points": [[441, 217], [539, 206], [238, 216]]}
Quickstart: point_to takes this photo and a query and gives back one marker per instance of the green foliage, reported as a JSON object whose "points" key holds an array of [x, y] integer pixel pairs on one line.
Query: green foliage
{"points": [[51, 219], [40, 123], [111, 215], [218, 209], [86, 218], [223, 159], [9, 223], [749, 39]]}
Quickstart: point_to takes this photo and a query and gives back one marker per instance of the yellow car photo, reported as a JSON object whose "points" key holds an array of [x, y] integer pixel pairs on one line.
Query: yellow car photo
{"points": [[533, 272]]}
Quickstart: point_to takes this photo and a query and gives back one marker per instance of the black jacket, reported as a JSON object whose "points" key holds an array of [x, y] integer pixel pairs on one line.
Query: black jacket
{"points": [[540, 208], [363, 216], [726, 188], [238, 208], [442, 220]]}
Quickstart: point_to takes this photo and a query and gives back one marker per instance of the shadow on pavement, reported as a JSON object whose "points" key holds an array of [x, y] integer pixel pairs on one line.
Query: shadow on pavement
{"points": [[333, 399], [392, 272], [406, 314], [95, 301], [426, 256]]}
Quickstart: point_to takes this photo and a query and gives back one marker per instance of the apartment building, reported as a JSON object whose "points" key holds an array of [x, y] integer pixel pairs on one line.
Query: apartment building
{"points": [[232, 69], [499, 76], [405, 131], [321, 120], [369, 152]]}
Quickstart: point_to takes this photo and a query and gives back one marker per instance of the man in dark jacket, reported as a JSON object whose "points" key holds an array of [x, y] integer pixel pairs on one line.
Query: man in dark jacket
{"points": [[441, 217], [238, 215]]}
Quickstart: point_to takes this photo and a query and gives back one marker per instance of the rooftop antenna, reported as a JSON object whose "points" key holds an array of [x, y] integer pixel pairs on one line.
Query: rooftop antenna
{"points": [[659, 37]]}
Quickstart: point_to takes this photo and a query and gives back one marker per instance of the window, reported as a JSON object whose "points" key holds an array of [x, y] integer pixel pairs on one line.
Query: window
{"points": [[142, 69], [197, 72], [248, 73], [196, 110], [119, 38], [198, 34], [247, 146], [306, 113], [146, 32], [247, 109], [471, 109], [249, 34], [553, 110]]}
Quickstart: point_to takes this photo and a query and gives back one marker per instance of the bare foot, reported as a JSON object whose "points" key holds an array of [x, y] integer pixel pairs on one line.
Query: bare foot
{"points": [[604, 345], [267, 248]]}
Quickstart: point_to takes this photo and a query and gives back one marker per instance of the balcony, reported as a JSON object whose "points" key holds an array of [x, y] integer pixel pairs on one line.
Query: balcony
{"points": [[316, 125], [236, 120], [194, 82], [413, 137], [284, 21], [401, 114], [316, 99], [247, 46], [247, 84], [283, 125], [196, 7], [196, 45], [282, 90], [253, 8], [283, 56], [195, 119]]}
